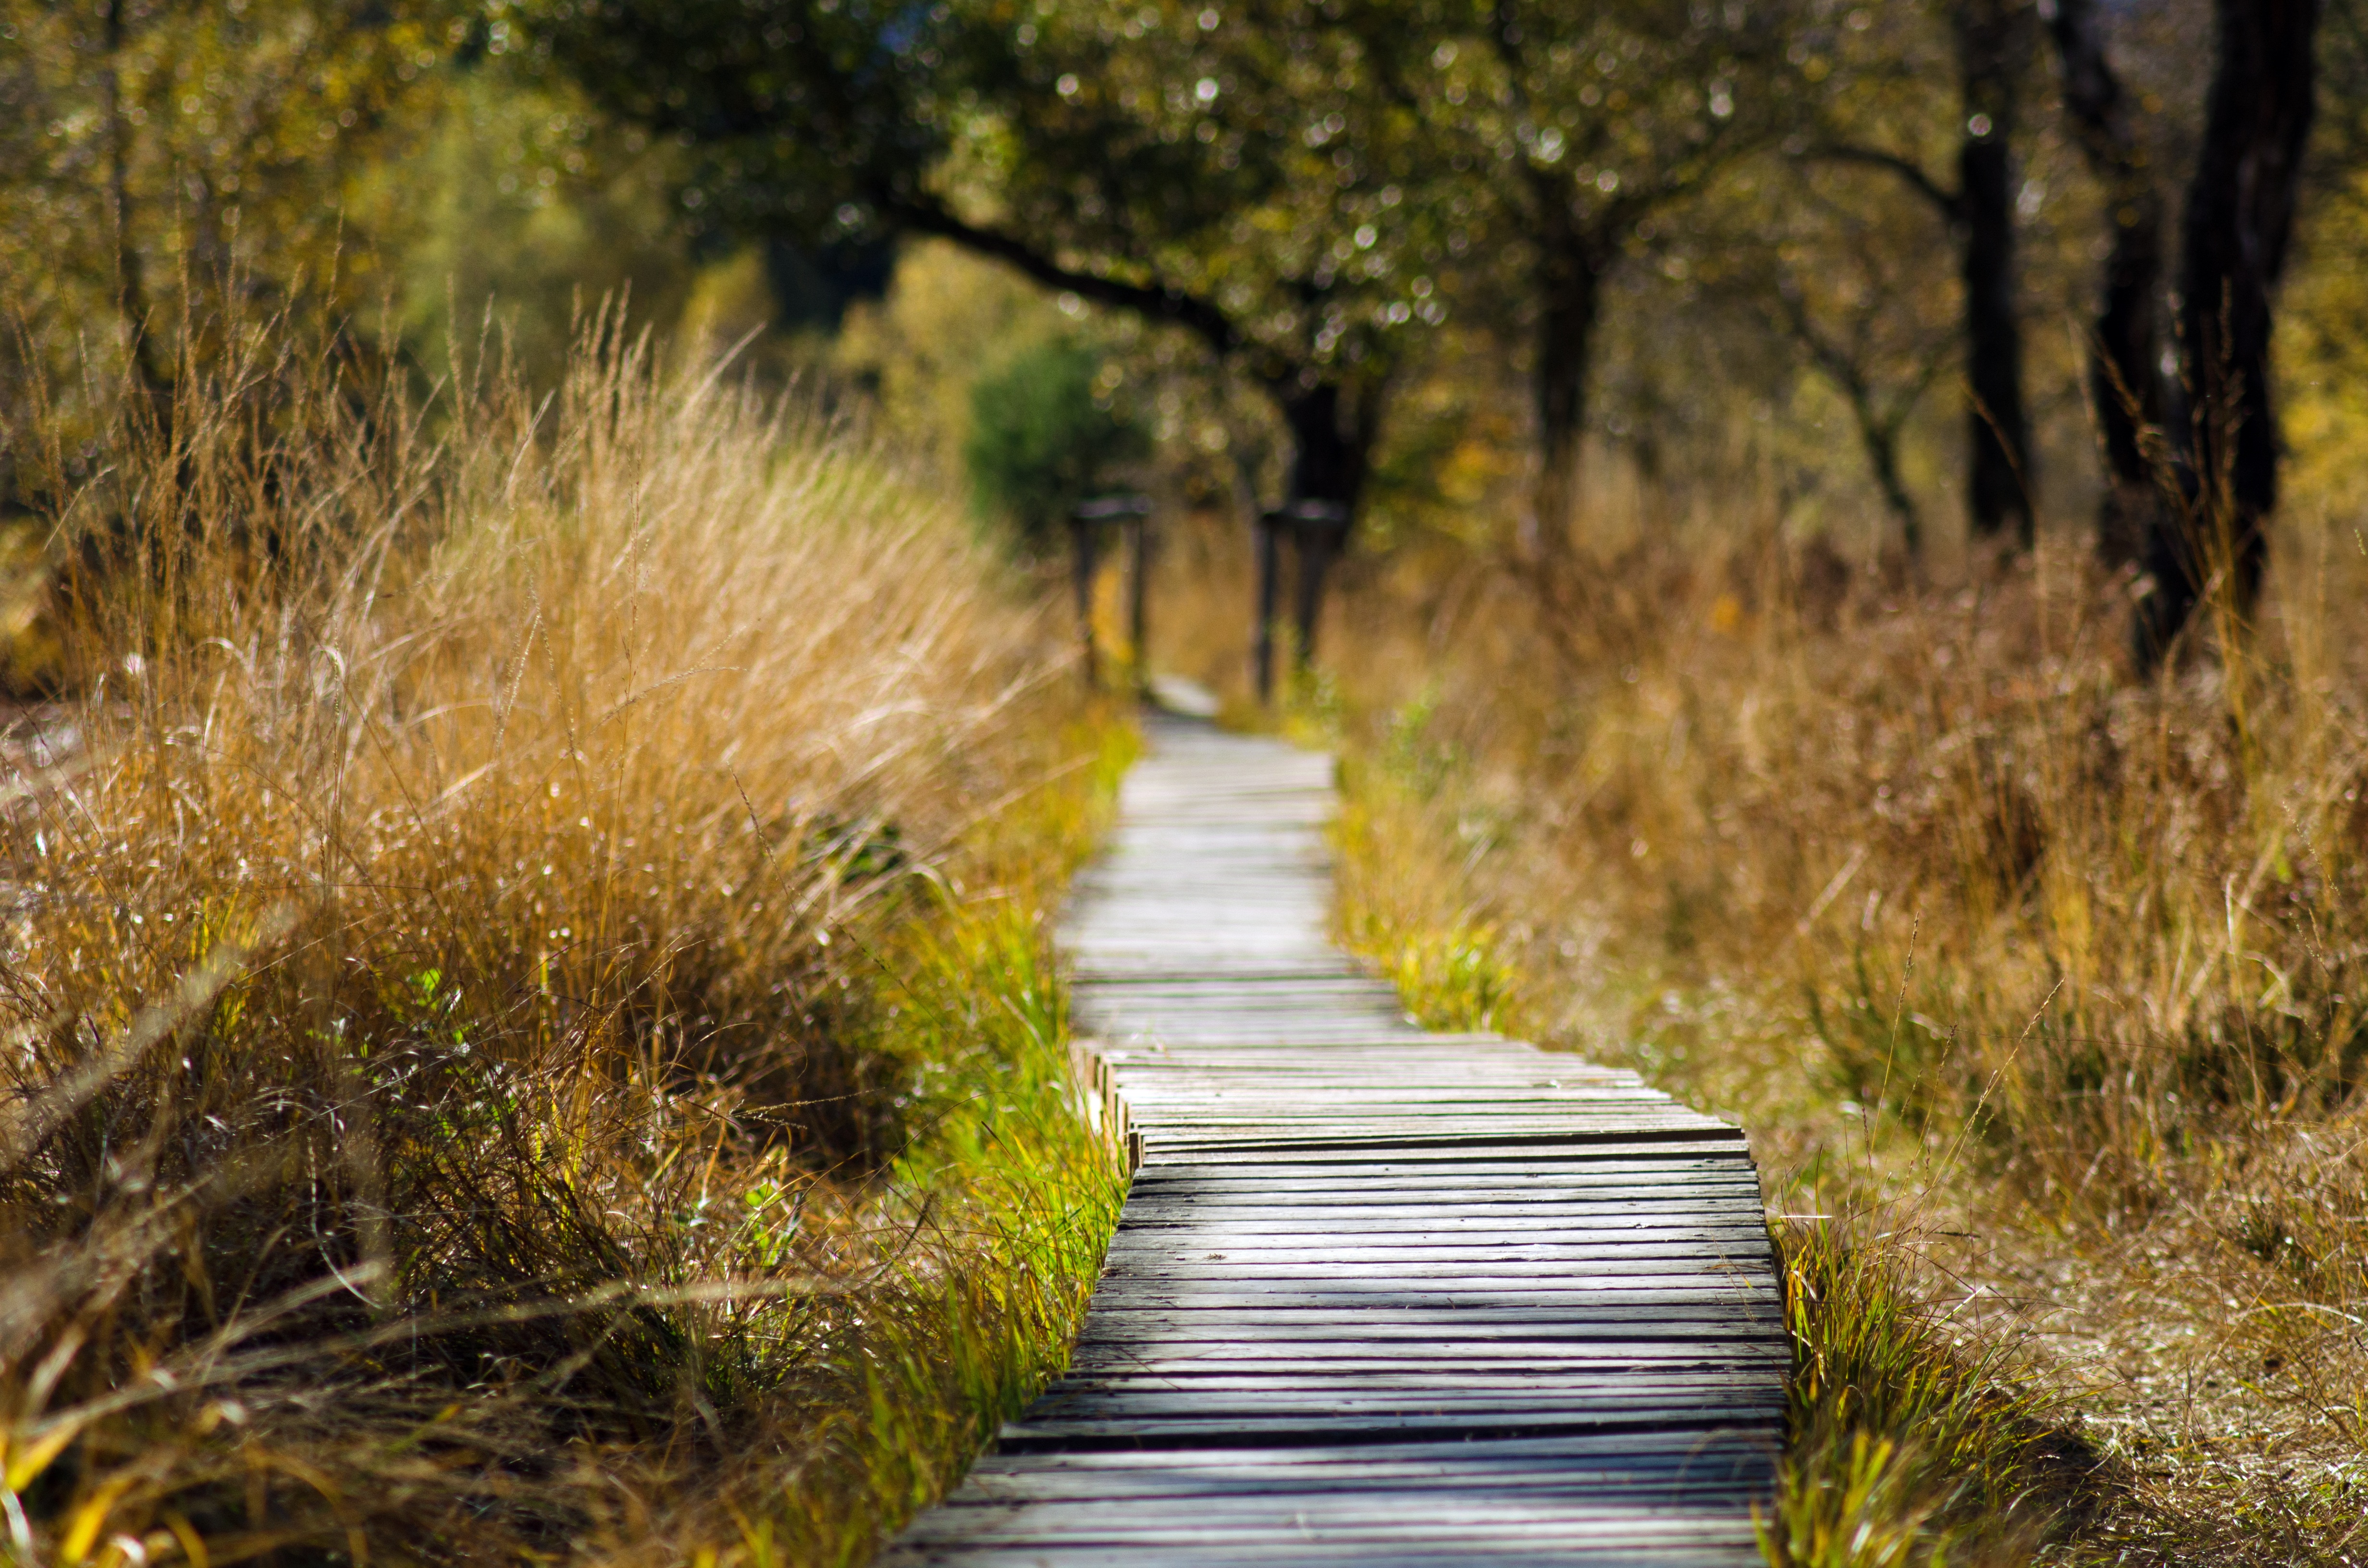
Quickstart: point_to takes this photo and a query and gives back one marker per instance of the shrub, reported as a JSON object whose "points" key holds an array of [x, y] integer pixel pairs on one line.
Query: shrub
{"points": [[1042, 440]]}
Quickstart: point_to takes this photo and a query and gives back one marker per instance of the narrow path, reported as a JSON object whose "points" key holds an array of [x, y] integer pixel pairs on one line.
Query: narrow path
{"points": [[1378, 1296]]}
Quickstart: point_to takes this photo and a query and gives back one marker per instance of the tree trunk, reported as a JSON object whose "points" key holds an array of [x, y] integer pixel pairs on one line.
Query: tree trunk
{"points": [[1879, 436], [1570, 295], [2124, 347], [2240, 209], [131, 302], [1334, 424], [1878, 428], [1992, 39]]}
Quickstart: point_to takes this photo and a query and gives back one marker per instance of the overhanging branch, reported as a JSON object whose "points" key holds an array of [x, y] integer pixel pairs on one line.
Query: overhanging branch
{"points": [[1192, 313], [1950, 203]]}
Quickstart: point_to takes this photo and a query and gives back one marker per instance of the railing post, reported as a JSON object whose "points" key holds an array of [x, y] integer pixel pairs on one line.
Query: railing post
{"points": [[1320, 528], [1138, 598], [1266, 529], [1317, 528], [1085, 534], [1085, 526]]}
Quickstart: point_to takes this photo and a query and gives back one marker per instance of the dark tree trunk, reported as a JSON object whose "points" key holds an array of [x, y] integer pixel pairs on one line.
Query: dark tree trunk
{"points": [[2125, 349], [1328, 451], [1334, 426], [1570, 295], [2240, 209], [1992, 39]]}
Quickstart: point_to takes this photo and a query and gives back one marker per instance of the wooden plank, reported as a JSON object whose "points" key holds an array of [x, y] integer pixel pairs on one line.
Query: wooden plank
{"points": [[1379, 1520], [1572, 1171], [1571, 1454], [1310, 1144], [1508, 1218], [1378, 1296], [1284, 1320], [1604, 1202], [1295, 1552], [1066, 1438], [1182, 1326], [1348, 1516], [1724, 1395], [1311, 1162], [1567, 1167], [1423, 1242]]}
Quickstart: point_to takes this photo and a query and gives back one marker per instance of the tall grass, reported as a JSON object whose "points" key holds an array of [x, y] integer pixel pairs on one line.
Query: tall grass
{"points": [[2042, 975], [527, 1026]]}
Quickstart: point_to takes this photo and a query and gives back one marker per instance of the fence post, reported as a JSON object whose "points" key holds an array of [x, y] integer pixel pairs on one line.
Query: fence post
{"points": [[1320, 528], [1138, 597], [1317, 528], [1265, 529], [1086, 528], [1085, 534]]}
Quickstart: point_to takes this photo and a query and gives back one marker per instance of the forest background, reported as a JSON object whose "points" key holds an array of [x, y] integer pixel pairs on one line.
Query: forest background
{"points": [[1710, 247], [1845, 594]]}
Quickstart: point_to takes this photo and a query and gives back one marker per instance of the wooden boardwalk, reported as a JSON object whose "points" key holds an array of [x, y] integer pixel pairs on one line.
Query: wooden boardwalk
{"points": [[1378, 1296]]}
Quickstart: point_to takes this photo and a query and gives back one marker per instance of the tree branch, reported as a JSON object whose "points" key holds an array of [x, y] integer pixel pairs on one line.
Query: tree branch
{"points": [[1950, 203], [1195, 315]]}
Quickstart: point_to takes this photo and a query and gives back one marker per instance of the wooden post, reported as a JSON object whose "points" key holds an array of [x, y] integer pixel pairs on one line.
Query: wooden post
{"points": [[1262, 631], [1085, 526], [1138, 596], [1085, 534], [1319, 528]]}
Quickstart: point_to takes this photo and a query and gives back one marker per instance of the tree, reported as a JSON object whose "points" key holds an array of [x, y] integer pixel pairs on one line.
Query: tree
{"points": [[2124, 352], [1575, 125], [2240, 216], [1234, 176], [152, 152], [1993, 49], [1992, 41], [1843, 285]]}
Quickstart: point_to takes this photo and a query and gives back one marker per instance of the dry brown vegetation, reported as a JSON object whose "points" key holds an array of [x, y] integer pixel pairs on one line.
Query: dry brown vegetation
{"points": [[526, 1023], [2042, 981]]}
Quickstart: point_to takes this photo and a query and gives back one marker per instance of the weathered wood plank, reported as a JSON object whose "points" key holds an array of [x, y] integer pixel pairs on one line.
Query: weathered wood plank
{"points": [[1287, 1319]]}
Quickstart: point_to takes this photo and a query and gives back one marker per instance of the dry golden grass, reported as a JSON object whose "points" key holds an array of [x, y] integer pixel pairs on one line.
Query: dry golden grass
{"points": [[2044, 980], [524, 1024]]}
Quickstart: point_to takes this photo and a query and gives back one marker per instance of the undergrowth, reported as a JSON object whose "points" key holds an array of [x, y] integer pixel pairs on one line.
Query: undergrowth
{"points": [[525, 1016]]}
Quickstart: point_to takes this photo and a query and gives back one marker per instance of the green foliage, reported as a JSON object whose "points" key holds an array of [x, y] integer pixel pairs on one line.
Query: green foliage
{"points": [[524, 210], [1252, 177], [1041, 438], [156, 160]]}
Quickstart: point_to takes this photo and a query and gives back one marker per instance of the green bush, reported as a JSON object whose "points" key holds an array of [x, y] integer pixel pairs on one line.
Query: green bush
{"points": [[1040, 441]]}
